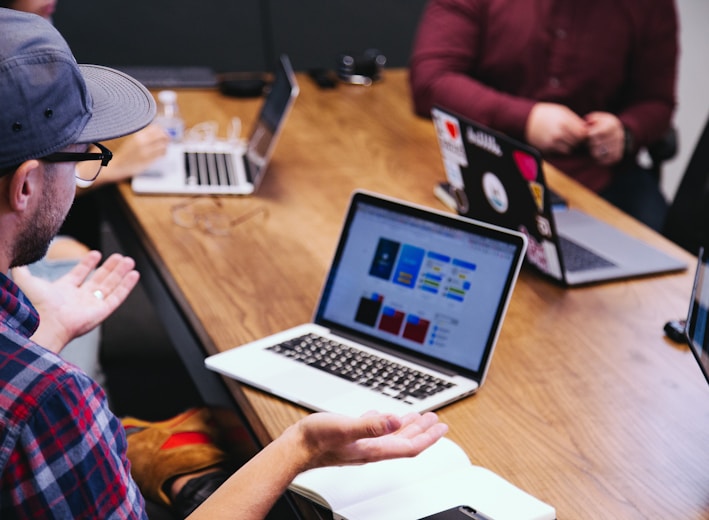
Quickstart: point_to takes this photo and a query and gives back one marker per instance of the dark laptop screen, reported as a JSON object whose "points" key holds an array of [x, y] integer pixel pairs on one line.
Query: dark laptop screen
{"points": [[270, 121], [699, 314]]}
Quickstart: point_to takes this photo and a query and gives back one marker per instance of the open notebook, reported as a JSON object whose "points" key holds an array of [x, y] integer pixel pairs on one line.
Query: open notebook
{"points": [[221, 166], [437, 479], [407, 319], [500, 180]]}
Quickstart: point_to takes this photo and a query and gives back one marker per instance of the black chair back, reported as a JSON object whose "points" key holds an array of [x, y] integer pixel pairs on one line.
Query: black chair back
{"points": [[687, 222]]}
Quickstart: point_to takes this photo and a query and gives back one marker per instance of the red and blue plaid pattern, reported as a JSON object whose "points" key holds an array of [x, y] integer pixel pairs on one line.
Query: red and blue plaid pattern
{"points": [[62, 451]]}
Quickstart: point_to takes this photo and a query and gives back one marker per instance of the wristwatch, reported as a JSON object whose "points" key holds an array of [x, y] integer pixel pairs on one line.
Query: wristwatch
{"points": [[628, 142]]}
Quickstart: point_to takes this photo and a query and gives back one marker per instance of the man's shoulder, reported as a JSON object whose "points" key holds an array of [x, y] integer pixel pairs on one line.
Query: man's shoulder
{"points": [[55, 420], [29, 375], [24, 363]]}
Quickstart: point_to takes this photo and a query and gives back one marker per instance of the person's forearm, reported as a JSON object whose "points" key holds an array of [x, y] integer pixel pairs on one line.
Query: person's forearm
{"points": [[442, 70], [251, 492], [648, 121], [468, 97], [650, 95]]}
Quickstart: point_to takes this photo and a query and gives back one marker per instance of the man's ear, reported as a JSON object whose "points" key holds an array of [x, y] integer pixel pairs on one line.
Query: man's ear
{"points": [[24, 183]]}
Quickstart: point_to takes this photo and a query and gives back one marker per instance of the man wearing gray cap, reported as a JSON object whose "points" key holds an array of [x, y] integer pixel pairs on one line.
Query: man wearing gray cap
{"points": [[62, 452]]}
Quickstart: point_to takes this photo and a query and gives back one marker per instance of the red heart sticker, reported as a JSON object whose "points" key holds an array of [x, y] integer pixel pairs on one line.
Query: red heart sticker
{"points": [[452, 129], [526, 164]]}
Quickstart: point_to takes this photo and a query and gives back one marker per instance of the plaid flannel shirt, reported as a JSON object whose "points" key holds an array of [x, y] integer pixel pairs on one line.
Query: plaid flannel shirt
{"points": [[62, 451]]}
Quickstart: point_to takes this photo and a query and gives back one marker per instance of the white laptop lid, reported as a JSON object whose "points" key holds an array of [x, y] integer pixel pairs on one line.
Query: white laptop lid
{"points": [[416, 284], [225, 167]]}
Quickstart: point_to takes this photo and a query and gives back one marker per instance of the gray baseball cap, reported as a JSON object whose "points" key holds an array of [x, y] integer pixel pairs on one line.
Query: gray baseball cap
{"points": [[48, 101]]}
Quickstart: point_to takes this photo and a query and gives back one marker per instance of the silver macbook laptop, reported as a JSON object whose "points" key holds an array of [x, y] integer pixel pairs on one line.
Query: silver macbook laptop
{"points": [[407, 320], [225, 167], [497, 179], [698, 315]]}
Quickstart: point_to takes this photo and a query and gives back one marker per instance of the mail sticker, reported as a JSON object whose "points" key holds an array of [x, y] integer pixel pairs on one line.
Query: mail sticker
{"points": [[450, 139]]}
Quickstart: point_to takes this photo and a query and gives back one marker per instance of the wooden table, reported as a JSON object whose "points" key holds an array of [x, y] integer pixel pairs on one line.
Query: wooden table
{"points": [[587, 405]]}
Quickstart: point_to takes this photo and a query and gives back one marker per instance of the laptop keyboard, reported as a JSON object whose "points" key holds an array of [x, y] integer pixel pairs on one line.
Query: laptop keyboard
{"points": [[209, 169], [578, 258], [382, 375]]}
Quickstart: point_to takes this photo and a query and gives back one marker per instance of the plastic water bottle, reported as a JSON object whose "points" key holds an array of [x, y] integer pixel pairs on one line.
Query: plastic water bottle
{"points": [[168, 116]]}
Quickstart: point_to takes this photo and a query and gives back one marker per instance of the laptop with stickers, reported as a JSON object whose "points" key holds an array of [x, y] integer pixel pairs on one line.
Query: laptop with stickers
{"points": [[225, 167], [497, 179], [407, 320]]}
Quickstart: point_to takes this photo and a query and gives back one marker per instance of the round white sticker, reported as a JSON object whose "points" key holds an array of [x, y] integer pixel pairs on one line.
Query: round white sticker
{"points": [[495, 192]]}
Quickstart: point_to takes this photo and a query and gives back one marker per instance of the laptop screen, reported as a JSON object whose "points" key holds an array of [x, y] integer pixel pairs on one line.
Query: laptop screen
{"points": [[278, 102], [421, 281], [697, 318]]}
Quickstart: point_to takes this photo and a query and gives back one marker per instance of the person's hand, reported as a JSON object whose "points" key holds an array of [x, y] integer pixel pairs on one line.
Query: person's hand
{"points": [[606, 137], [135, 153], [554, 128], [331, 439], [320, 439], [78, 301]]}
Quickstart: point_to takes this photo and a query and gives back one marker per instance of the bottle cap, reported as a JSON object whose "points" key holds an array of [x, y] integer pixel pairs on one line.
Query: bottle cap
{"points": [[167, 96]]}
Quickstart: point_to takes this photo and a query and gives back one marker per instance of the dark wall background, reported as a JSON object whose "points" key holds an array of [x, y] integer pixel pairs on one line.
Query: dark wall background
{"points": [[236, 35]]}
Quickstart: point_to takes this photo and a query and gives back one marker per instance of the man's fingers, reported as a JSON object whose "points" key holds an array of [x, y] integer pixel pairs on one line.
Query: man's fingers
{"points": [[120, 292], [115, 279], [417, 424], [112, 270], [81, 271]]}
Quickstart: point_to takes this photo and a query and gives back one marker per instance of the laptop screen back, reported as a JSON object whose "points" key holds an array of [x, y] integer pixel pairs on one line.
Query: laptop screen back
{"points": [[269, 123], [698, 316], [421, 281], [498, 179]]}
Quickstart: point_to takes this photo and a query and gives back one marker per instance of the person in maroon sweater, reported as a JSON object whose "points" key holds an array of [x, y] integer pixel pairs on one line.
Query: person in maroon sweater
{"points": [[586, 83]]}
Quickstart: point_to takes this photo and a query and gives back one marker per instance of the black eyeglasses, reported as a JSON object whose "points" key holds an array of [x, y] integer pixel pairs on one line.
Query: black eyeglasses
{"points": [[104, 156]]}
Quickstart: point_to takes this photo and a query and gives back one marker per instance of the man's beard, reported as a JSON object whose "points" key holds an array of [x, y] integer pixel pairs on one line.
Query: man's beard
{"points": [[34, 240]]}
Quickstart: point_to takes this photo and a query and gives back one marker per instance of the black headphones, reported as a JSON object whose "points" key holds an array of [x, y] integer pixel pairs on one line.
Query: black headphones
{"points": [[361, 70]]}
